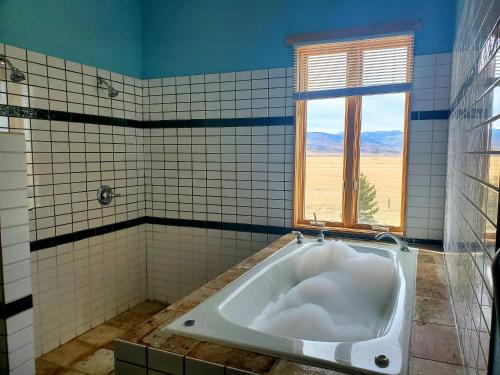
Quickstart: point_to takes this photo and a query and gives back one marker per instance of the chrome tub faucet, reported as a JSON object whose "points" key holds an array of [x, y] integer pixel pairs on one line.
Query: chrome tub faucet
{"points": [[403, 245]]}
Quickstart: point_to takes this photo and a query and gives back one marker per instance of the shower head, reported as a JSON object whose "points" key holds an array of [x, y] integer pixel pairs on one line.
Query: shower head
{"points": [[112, 92], [15, 74]]}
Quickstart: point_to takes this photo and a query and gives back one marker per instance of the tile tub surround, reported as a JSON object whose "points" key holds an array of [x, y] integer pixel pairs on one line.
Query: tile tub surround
{"points": [[434, 342], [182, 259], [472, 179]]}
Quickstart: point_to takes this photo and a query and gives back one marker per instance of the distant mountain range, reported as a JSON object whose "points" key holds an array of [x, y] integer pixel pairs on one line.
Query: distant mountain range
{"points": [[375, 143]]}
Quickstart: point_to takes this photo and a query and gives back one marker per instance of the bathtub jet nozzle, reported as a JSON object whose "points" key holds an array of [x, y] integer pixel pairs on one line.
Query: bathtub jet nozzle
{"points": [[382, 360]]}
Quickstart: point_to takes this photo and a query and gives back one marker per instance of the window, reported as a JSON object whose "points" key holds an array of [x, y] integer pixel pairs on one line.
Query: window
{"points": [[352, 109]]}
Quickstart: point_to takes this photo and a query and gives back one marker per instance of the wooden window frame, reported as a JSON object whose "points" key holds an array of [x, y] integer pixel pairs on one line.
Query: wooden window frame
{"points": [[352, 127]]}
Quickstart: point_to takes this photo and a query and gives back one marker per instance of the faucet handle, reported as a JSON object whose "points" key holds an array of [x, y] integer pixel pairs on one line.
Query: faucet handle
{"points": [[321, 235], [300, 236]]}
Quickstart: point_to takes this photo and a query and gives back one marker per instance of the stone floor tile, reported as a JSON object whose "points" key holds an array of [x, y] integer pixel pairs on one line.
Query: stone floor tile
{"points": [[148, 308], [101, 335], [44, 367], [69, 353], [435, 342], [127, 320], [99, 363], [419, 366], [433, 310], [285, 367], [232, 357]]}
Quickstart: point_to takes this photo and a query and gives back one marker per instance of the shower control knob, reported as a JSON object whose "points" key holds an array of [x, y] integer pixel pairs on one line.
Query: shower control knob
{"points": [[105, 195]]}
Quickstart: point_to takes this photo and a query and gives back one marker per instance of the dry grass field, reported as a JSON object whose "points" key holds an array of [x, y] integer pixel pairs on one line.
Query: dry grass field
{"points": [[323, 188], [324, 185], [494, 169]]}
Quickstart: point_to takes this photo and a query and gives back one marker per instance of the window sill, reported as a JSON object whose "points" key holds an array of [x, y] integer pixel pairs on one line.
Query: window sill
{"points": [[344, 231]]}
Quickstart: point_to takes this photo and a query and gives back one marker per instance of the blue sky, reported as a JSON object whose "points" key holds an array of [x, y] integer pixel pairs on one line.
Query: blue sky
{"points": [[379, 112]]}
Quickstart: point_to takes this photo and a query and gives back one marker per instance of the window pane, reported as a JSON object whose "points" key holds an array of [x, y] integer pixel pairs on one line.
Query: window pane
{"points": [[381, 159], [324, 159]]}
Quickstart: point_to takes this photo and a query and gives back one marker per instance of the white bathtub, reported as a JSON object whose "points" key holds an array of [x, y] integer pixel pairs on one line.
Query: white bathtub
{"points": [[225, 316]]}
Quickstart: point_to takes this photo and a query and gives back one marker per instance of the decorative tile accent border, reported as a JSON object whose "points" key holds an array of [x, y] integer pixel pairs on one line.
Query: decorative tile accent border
{"points": [[237, 227], [430, 115], [13, 308], [87, 233], [43, 114]]}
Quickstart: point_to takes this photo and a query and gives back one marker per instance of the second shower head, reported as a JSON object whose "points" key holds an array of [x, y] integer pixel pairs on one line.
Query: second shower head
{"points": [[16, 75], [112, 92]]}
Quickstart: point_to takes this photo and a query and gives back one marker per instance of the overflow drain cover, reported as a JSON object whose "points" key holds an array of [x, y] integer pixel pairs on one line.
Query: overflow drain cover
{"points": [[382, 360], [189, 323]]}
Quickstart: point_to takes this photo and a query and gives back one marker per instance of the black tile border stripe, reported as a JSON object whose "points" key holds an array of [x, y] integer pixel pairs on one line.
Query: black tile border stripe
{"points": [[237, 227], [43, 114], [430, 115], [83, 234], [206, 123], [18, 306]]}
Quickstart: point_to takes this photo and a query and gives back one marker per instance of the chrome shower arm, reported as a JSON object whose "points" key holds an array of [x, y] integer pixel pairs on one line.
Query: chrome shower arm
{"points": [[112, 92], [102, 81], [16, 75], [6, 61]]}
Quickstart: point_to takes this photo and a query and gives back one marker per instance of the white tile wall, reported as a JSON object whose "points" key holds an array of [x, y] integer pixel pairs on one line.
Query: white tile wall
{"points": [[427, 148], [80, 285], [181, 259], [63, 85], [472, 194], [257, 93], [426, 178], [431, 82], [67, 162], [16, 332], [230, 174]]}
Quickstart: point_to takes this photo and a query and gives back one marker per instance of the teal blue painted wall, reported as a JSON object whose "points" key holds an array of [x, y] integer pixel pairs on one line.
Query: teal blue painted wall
{"points": [[198, 36], [102, 33], [156, 38]]}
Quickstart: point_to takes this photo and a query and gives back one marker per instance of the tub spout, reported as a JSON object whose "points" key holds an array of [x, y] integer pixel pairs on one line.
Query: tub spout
{"points": [[403, 245]]}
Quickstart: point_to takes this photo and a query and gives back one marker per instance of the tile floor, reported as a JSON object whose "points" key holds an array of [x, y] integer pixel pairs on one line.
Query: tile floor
{"points": [[92, 352], [434, 342]]}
